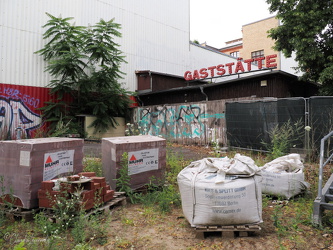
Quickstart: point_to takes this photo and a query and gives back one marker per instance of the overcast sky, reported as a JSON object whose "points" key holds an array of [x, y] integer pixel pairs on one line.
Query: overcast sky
{"points": [[219, 21]]}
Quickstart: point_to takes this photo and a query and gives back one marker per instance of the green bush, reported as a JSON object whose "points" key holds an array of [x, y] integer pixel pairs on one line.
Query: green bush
{"points": [[93, 164], [284, 137]]}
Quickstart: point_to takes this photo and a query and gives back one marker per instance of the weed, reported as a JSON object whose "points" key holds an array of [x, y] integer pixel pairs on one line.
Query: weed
{"points": [[216, 148], [98, 226], [168, 198], [277, 217], [127, 222], [78, 232], [45, 225], [284, 137], [91, 164], [173, 167], [123, 182], [265, 200], [70, 215], [132, 130], [121, 243], [66, 209], [164, 197], [20, 246], [149, 213], [281, 230], [61, 128], [82, 247], [98, 198], [292, 220], [2, 212]]}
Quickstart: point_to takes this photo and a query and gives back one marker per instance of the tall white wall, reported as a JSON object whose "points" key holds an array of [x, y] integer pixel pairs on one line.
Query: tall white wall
{"points": [[155, 35]]}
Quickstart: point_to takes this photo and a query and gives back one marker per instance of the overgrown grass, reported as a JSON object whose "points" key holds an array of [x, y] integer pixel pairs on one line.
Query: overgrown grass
{"points": [[290, 221], [164, 195]]}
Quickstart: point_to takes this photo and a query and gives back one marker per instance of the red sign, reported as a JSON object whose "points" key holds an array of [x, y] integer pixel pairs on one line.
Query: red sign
{"points": [[240, 66]]}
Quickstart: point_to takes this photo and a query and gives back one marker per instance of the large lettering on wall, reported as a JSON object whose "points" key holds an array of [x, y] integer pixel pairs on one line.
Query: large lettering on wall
{"points": [[241, 66]]}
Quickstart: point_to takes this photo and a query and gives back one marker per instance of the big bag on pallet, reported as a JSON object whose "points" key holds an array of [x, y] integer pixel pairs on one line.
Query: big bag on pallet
{"points": [[284, 177], [221, 191]]}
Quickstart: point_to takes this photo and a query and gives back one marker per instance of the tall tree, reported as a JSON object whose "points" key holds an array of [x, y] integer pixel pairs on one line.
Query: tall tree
{"points": [[306, 29], [85, 63]]}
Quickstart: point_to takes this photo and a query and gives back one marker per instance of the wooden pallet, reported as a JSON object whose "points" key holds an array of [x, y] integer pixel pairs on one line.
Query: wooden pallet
{"points": [[119, 198], [18, 213], [226, 231]]}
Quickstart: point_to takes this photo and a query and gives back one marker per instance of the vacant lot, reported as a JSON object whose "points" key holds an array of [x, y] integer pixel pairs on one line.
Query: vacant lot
{"points": [[287, 224]]}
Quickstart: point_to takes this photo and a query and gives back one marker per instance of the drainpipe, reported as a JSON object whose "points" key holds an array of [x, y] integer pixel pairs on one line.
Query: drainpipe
{"points": [[201, 88], [138, 97], [151, 80]]}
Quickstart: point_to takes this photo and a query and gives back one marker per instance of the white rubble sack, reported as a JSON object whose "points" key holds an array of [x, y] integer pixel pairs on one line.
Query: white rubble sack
{"points": [[284, 177], [221, 191]]}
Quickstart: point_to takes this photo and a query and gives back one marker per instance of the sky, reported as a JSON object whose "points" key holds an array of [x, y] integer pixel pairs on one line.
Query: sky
{"points": [[218, 21]]}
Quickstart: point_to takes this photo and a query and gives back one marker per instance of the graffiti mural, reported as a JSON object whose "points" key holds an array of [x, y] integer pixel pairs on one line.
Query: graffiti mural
{"points": [[18, 111], [15, 115], [176, 121]]}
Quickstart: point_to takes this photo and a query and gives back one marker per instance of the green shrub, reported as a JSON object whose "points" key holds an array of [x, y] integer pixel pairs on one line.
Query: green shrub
{"points": [[92, 164], [284, 137], [123, 182]]}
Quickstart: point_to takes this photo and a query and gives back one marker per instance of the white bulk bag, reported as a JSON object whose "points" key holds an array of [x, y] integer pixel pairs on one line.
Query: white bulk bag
{"points": [[221, 191], [284, 176]]}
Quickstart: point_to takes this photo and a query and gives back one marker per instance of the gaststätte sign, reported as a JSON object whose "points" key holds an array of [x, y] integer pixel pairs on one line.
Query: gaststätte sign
{"points": [[240, 66]]}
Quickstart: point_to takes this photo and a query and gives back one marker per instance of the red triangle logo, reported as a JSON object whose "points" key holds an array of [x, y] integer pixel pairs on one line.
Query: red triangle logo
{"points": [[133, 158], [48, 160]]}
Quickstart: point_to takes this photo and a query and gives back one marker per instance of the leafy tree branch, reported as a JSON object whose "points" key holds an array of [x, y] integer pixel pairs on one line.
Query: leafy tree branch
{"points": [[307, 30], [85, 64]]}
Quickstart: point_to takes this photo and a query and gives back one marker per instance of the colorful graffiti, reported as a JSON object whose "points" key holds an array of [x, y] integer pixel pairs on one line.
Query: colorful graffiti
{"points": [[179, 121], [18, 116], [15, 115]]}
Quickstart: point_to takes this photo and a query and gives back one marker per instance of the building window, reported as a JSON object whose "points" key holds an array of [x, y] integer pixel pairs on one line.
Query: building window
{"points": [[234, 54], [257, 54]]}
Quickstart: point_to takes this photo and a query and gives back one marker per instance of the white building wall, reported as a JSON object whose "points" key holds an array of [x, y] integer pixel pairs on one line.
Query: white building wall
{"points": [[289, 64], [155, 35]]}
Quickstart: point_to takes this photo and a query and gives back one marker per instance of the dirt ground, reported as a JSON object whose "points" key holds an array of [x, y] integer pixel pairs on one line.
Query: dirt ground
{"points": [[138, 227], [134, 227], [131, 228]]}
